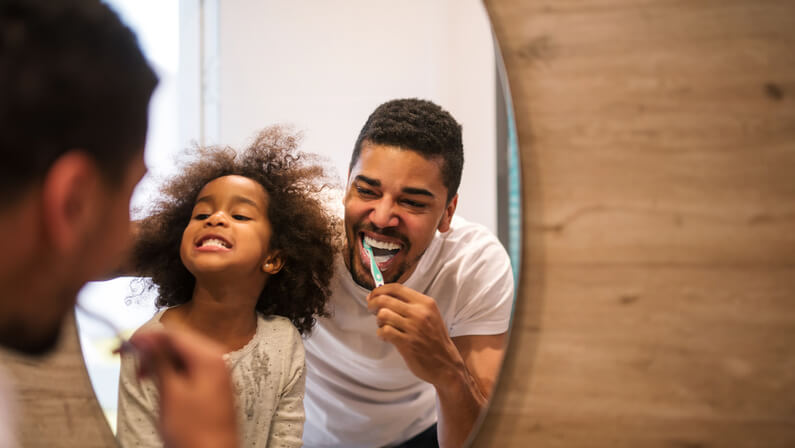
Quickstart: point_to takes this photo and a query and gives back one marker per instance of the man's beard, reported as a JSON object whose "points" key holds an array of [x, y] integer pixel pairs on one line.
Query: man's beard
{"points": [[39, 337], [16, 336], [364, 278]]}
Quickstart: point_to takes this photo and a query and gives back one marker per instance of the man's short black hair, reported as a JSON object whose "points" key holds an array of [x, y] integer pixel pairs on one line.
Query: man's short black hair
{"points": [[72, 76], [420, 126]]}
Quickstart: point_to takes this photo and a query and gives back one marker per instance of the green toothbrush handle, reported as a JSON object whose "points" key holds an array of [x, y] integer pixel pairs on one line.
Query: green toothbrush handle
{"points": [[376, 273]]}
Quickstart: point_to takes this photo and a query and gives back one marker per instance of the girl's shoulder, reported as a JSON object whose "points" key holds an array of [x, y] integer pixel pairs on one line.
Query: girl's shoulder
{"points": [[280, 340], [153, 323], [276, 327]]}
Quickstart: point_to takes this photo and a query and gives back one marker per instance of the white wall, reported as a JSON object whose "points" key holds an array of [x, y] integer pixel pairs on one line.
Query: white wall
{"points": [[324, 66]]}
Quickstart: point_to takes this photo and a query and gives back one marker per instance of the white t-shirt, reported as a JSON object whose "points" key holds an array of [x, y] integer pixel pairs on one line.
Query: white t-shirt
{"points": [[359, 392]]}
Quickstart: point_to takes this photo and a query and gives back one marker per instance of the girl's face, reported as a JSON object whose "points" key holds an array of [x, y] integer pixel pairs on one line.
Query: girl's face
{"points": [[229, 231]]}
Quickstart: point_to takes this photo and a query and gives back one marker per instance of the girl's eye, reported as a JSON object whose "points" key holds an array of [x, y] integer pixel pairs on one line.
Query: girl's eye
{"points": [[241, 218], [201, 216]]}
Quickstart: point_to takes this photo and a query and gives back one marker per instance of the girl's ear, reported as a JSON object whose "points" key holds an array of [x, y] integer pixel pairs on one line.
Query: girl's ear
{"points": [[273, 263]]}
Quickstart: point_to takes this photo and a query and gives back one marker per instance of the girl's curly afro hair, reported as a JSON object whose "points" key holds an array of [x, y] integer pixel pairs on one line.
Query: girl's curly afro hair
{"points": [[303, 231]]}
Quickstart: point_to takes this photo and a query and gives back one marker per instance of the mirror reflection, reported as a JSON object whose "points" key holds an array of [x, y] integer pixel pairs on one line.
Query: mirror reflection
{"points": [[409, 364]]}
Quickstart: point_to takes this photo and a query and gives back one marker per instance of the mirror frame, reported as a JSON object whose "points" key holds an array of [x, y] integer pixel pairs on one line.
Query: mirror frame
{"points": [[655, 300]]}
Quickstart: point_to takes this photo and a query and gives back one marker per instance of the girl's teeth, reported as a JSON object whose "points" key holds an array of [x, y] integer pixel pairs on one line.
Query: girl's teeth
{"points": [[213, 242]]}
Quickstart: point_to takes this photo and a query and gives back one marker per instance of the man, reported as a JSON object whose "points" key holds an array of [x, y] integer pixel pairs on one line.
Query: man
{"points": [[427, 346], [73, 118]]}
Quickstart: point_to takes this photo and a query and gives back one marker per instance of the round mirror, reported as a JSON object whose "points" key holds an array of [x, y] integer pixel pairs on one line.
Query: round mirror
{"points": [[228, 69]]}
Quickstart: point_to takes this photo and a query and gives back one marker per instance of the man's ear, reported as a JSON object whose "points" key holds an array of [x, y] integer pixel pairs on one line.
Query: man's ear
{"points": [[447, 216], [347, 186], [70, 200], [273, 264]]}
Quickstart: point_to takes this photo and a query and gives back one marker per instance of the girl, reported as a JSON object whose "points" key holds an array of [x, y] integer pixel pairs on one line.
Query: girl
{"points": [[241, 250]]}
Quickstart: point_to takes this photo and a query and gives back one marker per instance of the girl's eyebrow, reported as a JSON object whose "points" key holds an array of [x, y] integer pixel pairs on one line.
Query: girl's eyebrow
{"points": [[245, 200], [235, 199]]}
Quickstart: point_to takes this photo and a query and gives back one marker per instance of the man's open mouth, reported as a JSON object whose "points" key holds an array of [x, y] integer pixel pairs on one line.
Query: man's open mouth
{"points": [[383, 251]]}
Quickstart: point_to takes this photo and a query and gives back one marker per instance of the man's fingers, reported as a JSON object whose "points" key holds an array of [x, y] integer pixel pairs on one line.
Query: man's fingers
{"points": [[386, 316], [399, 292], [384, 301], [148, 350], [390, 334], [195, 350], [161, 353]]}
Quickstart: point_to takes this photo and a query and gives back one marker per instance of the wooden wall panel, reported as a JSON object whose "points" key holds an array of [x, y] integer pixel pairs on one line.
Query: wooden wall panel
{"points": [[657, 302]]}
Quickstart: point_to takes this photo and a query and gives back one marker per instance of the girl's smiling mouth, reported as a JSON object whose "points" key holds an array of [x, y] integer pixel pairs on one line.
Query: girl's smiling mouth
{"points": [[213, 243]]}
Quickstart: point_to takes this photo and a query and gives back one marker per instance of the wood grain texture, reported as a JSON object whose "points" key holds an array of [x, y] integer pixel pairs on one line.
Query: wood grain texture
{"points": [[57, 405], [657, 299]]}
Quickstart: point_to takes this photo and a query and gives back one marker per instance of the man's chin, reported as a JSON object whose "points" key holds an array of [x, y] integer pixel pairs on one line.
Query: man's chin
{"points": [[19, 339], [365, 280]]}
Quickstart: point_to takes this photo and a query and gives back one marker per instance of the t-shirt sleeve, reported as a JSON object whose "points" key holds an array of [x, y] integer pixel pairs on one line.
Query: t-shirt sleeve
{"points": [[287, 425], [485, 297], [136, 421]]}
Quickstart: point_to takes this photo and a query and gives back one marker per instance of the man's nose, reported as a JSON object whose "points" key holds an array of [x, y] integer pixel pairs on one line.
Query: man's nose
{"points": [[383, 214]]}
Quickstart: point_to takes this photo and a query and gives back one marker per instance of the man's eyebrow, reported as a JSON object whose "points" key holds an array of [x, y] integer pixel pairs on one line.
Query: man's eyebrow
{"points": [[368, 180], [407, 190], [420, 191]]}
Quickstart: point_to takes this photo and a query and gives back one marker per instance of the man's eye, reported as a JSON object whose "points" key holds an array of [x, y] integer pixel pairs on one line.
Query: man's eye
{"points": [[414, 204], [201, 216], [241, 218], [365, 192]]}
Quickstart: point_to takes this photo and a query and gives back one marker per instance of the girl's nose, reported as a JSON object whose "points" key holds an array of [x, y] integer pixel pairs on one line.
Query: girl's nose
{"points": [[217, 219]]}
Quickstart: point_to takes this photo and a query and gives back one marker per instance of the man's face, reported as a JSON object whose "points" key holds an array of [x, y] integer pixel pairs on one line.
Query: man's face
{"points": [[395, 199], [109, 246], [103, 248]]}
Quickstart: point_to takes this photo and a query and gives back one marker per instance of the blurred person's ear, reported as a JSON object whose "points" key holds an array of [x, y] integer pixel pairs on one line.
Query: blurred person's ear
{"points": [[71, 192]]}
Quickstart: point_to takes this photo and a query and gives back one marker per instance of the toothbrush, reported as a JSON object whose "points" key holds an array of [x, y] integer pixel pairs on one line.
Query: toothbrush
{"points": [[377, 277], [126, 346]]}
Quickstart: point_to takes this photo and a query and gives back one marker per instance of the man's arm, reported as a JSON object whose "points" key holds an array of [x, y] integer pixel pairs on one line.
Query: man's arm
{"points": [[462, 370], [482, 355]]}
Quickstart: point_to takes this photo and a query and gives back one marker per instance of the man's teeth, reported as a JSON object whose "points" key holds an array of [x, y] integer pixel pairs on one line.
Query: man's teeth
{"points": [[214, 242], [381, 244]]}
